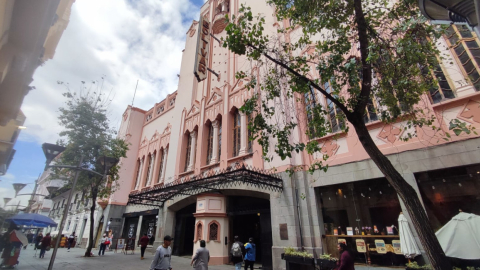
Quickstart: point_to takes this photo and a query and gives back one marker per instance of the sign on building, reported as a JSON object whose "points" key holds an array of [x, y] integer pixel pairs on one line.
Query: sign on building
{"points": [[203, 46]]}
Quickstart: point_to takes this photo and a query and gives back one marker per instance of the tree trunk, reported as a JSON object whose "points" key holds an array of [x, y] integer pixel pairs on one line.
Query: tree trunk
{"points": [[92, 225], [407, 194]]}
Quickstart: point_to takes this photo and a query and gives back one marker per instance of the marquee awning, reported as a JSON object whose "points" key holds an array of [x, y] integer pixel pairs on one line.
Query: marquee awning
{"points": [[209, 181]]}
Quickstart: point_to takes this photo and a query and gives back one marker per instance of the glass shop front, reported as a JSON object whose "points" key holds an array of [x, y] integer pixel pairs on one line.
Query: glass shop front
{"points": [[364, 215]]}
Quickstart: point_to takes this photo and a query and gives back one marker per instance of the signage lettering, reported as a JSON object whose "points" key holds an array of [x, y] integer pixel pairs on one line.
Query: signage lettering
{"points": [[201, 57]]}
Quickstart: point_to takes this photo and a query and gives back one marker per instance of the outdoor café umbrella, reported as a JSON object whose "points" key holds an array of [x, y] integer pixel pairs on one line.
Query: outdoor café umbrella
{"points": [[460, 237], [407, 242], [32, 220]]}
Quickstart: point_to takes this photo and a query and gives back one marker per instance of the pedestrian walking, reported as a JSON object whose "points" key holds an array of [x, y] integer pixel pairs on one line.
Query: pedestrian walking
{"points": [[46, 241], [71, 239], [103, 245], [236, 253], [346, 260], [38, 239], [201, 258], [143, 245], [250, 250], [163, 255]]}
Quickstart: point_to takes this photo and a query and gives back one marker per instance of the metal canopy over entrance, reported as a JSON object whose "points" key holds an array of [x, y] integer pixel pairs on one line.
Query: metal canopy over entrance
{"points": [[209, 181]]}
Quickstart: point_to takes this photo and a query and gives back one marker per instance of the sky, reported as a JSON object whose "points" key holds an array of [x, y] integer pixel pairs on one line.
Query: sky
{"points": [[121, 41]]}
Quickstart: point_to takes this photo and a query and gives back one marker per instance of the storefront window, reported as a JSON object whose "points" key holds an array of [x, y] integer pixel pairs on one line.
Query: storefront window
{"points": [[446, 192], [362, 214]]}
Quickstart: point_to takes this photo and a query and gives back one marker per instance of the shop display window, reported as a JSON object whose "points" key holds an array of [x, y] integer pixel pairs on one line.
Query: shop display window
{"points": [[445, 192], [364, 214]]}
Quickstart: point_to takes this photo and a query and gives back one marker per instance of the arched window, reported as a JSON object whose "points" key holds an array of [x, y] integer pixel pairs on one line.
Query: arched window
{"points": [[199, 232], [236, 133], [210, 144], [187, 149], [139, 167], [214, 231]]}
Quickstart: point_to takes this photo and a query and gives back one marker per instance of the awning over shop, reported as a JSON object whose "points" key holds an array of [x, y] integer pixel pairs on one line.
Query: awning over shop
{"points": [[457, 11], [209, 181]]}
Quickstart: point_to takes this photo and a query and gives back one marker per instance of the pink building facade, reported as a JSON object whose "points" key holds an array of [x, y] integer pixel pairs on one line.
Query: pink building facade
{"points": [[197, 136]]}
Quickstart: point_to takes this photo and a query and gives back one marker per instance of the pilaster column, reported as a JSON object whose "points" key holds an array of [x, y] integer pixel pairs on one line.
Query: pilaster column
{"points": [[214, 159], [191, 162], [139, 174], [164, 164], [149, 179], [243, 134]]}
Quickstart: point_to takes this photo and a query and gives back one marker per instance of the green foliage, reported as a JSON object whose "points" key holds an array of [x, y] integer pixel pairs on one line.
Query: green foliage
{"points": [[414, 265], [396, 46], [87, 133], [327, 257], [290, 251]]}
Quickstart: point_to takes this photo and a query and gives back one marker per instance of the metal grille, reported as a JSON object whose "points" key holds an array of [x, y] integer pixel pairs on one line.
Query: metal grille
{"points": [[213, 232], [212, 180]]}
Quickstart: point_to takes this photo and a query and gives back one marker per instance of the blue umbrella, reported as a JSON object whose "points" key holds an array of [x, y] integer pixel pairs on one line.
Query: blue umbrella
{"points": [[32, 220]]}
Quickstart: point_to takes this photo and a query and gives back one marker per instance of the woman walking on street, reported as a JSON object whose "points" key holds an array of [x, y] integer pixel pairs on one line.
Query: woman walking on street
{"points": [[46, 241], [201, 258], [103, 245]]}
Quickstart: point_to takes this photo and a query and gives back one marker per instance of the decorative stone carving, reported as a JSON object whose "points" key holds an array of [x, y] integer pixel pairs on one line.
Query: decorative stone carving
{"points": [[390, 133], [471, 112], [330, 147]]}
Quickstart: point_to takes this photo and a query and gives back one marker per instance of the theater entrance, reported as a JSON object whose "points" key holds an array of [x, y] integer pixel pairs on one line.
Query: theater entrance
{"points": [[184, 231], [250, 217]]}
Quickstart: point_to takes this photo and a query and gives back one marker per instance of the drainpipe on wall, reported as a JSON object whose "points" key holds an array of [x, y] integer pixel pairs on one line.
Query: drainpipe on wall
{"points": [[298, 214]]}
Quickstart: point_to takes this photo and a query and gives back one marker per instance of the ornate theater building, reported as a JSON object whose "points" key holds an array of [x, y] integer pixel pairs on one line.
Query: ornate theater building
{"points": [[192, 173]]}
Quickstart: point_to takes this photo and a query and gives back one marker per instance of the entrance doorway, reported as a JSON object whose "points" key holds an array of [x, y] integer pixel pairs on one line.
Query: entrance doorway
{"points": [[184, 231], [250, 217]]}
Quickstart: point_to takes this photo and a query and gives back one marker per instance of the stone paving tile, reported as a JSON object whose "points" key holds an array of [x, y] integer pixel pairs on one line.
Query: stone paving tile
{"points": [[74, 260]]}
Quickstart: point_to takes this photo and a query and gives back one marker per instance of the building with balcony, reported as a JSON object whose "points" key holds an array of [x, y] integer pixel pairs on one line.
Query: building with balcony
{"points": [[192, 173]]}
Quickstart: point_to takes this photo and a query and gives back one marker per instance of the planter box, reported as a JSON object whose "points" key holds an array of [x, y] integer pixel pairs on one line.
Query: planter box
{"points": [[326, 264], [298, 260]]}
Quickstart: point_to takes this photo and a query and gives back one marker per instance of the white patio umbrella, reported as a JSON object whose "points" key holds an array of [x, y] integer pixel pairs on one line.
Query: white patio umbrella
{"points": [[407, 242], [460, 237]]}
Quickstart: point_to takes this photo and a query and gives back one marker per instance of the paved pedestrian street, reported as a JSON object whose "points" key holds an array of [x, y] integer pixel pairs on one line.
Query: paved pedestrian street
{"points": [[74, 260]]}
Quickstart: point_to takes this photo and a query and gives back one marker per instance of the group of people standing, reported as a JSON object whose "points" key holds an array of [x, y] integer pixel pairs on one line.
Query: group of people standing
{"points": [[239, 253], [43, 243]]}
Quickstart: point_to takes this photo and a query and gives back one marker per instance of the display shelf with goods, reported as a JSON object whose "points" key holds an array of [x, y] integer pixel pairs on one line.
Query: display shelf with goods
{"points": [[364, 216]]}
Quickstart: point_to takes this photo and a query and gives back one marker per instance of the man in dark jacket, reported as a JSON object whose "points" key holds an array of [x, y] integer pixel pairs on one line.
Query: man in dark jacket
{"points": [[236, 253], [143, 244], [46, 241]]}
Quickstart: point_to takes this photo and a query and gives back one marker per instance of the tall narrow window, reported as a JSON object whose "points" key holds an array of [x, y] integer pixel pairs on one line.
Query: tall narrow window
{"points": [[160, 170], [219, 140], [210, 144], [213, 232], [199, 232], [310, 103], [236, 133], [150, 157], [333, 111], [370, 112], [249, 135], [464, 47], [187, 155], [139, 165], [442, 90]]}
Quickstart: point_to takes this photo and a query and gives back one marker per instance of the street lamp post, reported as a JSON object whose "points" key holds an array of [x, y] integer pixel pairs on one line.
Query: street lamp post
{"points": [[51, 151]]}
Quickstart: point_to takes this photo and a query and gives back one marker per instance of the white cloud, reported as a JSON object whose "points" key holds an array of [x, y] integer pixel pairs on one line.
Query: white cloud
{"points": [[123, 40]]}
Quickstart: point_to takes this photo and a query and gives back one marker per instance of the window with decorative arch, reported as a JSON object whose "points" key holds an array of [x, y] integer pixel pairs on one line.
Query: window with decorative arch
{"points": [[213, 231], [199, 231], [237, 124]]}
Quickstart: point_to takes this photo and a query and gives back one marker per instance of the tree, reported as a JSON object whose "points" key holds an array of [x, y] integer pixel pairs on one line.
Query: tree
{"points": [[364, 52], [87, 134]]}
